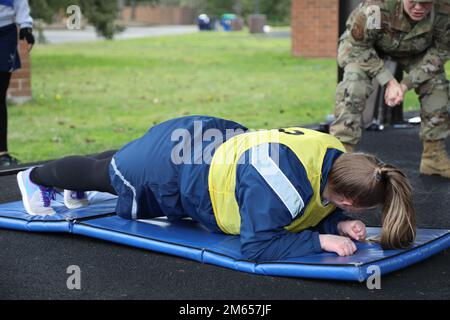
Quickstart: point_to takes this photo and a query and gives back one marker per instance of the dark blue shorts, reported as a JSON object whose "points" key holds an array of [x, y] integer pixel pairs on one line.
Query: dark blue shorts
{"points": [[9, 54]]}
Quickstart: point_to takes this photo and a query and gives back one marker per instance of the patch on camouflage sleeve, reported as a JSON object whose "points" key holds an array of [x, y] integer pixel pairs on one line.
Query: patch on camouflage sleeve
{"points": [[359, 26]]}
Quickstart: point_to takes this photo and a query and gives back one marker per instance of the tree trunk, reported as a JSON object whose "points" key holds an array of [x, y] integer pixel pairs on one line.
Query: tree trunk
{"points": [[133, 10], [237, 7], [120, 6], [256, 6]]}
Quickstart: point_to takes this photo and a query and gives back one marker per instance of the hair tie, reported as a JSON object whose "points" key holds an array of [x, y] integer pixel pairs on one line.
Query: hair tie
{"points": [[378, 174], [381, 164]]}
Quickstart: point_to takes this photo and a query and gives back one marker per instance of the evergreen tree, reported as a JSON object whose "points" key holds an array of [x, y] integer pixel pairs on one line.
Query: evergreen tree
{"points": [[100, 13]]}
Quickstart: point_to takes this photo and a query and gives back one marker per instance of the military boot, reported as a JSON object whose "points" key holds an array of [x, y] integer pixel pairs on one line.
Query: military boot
{"points": [[435, 159], [350, 148]]}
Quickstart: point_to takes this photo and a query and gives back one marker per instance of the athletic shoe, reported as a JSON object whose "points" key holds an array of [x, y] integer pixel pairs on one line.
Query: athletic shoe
{"points": [[36, 198], [75, 199], [6, 160]]}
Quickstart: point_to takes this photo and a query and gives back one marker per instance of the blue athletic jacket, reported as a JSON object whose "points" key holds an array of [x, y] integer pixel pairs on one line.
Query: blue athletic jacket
{"points": [[149, 184]]}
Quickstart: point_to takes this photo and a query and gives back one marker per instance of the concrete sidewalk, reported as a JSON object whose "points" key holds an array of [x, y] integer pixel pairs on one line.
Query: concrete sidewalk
{"points": [[89, 34]]}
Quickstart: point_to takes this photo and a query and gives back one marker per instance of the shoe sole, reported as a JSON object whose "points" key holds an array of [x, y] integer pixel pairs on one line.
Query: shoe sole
{"points": [[428, 171], [70, 207], [25, 199]]}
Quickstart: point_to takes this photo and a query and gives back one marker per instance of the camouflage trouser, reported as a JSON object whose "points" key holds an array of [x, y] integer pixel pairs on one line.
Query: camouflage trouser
{"points": [[356, 87], [434, 104]]}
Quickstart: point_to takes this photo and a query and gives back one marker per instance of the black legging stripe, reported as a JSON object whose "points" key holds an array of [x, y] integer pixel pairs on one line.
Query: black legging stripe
{"points": [[5, 78], [78, 173]]}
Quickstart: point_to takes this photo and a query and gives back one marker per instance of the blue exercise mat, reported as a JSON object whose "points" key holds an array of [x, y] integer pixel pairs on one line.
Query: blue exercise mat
{"points": [[190, 240]]}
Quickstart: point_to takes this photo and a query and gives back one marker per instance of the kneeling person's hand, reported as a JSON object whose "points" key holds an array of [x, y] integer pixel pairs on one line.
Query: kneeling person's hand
{"points": [[395, 93]]}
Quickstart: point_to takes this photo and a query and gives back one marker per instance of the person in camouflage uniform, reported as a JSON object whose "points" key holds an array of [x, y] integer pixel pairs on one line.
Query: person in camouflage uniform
{"points": [[415, 34], [442, 29]]}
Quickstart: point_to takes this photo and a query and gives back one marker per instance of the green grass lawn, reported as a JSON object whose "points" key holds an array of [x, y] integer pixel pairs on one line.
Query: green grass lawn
{"points": [[90, 97]]}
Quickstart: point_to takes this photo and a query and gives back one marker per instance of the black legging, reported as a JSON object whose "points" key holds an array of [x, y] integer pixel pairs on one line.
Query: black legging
{"points": [[77, 173], [5, 77]]}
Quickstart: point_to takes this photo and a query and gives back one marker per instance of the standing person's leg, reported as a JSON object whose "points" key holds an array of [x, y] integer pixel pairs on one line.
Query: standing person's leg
{"points": [[4, 84], [9, 62], [435, 125], [351, 97]]}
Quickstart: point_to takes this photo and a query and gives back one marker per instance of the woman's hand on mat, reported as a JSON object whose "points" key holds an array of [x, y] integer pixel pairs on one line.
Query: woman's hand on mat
{"points": [[395, 93], [354, 229], [343, 246]]}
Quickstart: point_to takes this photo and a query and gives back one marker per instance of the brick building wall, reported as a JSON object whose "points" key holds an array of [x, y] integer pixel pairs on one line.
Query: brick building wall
{"points": [[20, 86], [159, 15], [315, 28]]}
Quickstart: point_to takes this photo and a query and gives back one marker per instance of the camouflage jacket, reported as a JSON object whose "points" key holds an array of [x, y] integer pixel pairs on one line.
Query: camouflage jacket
{"points": [[442, 29], [377, 29]]}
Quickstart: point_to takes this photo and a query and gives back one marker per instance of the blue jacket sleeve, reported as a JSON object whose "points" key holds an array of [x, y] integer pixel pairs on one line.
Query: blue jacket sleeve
{"points": [[264, 215], [330, 223]]}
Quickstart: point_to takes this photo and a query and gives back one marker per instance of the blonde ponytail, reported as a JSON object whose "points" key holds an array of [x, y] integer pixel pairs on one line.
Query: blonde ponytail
{"points": [[398, 214], [369, 182]]}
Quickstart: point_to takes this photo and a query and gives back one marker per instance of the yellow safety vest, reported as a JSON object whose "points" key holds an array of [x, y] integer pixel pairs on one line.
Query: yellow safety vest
{"points": [[308, 145]]}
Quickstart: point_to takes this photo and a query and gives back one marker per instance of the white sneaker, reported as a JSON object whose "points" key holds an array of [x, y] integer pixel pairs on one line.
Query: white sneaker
{"points": [[75, 199], [36, 199]]}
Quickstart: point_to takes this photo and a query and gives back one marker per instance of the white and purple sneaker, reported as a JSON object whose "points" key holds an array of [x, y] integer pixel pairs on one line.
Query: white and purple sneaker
{"points": [[36, 199], [75, 199]]}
